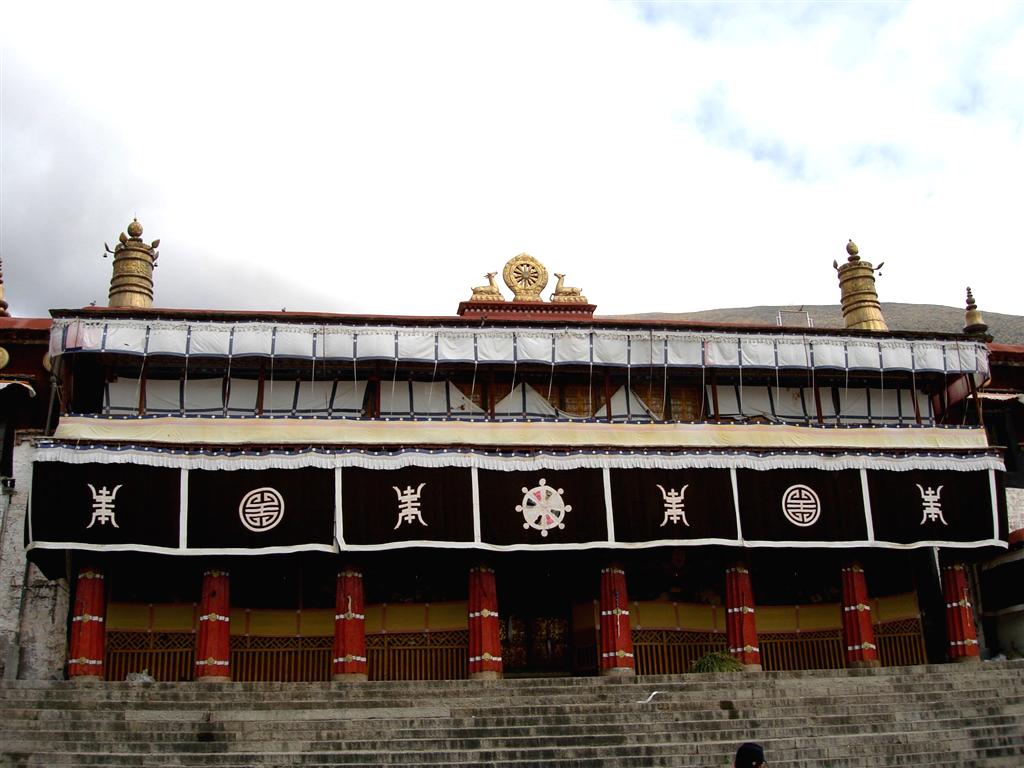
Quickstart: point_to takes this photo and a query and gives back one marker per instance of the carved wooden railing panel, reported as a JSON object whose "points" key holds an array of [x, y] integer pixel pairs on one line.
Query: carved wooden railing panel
{"points": [[669, 651], [280, 659], [900, 643], [167, 656], [818, 649], [442, 655]]}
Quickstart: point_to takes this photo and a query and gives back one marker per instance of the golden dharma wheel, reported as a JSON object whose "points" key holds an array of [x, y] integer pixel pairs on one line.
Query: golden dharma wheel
{"points": [[526, 277]]}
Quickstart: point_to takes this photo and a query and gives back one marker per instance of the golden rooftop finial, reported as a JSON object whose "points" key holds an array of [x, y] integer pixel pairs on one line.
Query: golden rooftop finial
{"points": [[974, 323], [131, 284], [859, 298], [3, 299]]}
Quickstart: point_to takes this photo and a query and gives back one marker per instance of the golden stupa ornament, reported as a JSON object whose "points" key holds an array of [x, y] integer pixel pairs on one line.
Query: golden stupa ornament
{"points": [[526, 277], [131, 284], [859, 297], [974, 323]]}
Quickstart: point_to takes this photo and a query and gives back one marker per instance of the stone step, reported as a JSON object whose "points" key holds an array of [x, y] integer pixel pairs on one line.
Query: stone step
{"points": [[72, 696], [894, 750], [916, 716], [665, 731]]}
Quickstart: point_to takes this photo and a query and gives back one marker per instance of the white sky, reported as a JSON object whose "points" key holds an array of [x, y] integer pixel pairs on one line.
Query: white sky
{"points": [[380, 157]]}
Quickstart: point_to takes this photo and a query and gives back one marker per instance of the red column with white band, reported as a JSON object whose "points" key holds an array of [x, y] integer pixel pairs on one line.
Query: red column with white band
{"points": [[213, 644], [616, 633], [349, 628], [484, 628], [858, 631], [740, 626], [960, 629], [88, 626]]}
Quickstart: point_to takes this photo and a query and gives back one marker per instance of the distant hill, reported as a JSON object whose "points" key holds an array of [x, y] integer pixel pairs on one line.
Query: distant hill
{"points": [[1006, 329]]}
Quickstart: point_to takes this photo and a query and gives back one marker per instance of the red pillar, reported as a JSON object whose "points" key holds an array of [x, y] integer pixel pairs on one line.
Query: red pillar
{"points": [[963, 637], [213, 645], [349, 628], [858, 631], [740, 627], [484, 629], [88, 626], [616, 633]]}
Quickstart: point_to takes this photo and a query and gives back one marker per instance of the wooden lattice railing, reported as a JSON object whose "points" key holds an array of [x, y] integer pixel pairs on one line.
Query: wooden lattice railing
{"points": [[819, 649], [442, 655], [167, 656], [900, 643], [669, 651], [280, 659]]}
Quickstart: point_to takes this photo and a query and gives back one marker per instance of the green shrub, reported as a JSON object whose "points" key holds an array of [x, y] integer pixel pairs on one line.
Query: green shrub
{"points": [[716, 661]]}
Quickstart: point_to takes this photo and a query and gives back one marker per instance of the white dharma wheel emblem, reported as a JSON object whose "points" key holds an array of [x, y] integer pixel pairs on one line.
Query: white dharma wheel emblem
{"points": [[801, 505], [543, 508], [261, 509]]}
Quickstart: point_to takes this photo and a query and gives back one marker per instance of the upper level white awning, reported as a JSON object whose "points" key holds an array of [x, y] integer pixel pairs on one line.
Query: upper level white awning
{"points": [[576, 345]]}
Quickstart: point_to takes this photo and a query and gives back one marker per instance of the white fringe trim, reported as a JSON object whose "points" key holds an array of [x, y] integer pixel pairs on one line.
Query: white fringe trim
{"points": [[535, 462]]}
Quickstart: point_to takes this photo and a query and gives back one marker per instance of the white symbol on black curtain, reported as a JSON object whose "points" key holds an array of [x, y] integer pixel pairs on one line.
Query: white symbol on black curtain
{"points": [[931, 507], [543, 508], [801, 505], [409, 508], [103, 506], [674, 506], [261, 509]]}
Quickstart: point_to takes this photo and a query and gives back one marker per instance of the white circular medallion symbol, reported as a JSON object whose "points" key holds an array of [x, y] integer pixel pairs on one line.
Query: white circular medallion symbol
{"points": [[543, 508], [261, 509], [801, 505]]}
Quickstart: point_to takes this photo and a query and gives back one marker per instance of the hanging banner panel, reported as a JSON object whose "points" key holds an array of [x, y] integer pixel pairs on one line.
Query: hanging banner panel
{"points": [[543, 508], [805, 506], [680, 505], [407, 504], [283, 510], [104, 506], [123, 506], [923, 506]]}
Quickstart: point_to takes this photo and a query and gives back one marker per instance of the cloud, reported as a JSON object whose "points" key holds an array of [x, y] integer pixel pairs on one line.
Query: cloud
{"points": [[382, 157]]}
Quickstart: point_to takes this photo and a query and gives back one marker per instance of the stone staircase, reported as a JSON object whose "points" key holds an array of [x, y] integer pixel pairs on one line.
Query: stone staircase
{"points": [[948, 715]]}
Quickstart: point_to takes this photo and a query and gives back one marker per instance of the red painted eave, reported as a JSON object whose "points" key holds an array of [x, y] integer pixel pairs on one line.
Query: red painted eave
{"points": [[25, 323]]}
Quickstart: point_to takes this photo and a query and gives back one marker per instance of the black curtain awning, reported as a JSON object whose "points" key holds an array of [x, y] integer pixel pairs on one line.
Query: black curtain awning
{"points": [[129, 507]]}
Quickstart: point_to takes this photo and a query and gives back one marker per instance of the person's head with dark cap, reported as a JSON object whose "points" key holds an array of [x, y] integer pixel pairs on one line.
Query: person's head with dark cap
{"points": [[750, 755]]}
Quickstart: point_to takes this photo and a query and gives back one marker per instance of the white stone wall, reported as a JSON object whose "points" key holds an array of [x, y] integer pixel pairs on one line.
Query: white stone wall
{"points": [[1015, 508], [33, 609]]}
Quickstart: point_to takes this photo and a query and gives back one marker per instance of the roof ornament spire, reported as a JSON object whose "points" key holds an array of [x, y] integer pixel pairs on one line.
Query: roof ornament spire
{"points": [[131, 284], [3, 299], [974, 323], [859, 297]]}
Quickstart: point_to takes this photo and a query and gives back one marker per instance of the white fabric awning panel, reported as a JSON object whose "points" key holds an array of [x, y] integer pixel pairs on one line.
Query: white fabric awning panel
{"points": [[206, 396], [627, 406], [827, 353], [540, 346], [409, 399], [796, 405], [524, 402], [163, 396], [242, 397]]}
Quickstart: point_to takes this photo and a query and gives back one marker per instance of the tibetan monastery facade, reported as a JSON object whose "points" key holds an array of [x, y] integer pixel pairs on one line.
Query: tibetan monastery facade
{"points": [[522, 488]]}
